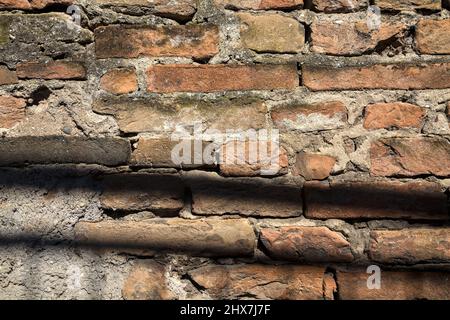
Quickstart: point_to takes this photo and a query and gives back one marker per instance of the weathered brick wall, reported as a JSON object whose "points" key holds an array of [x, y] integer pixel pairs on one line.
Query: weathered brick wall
{"points": [[92, 204]]}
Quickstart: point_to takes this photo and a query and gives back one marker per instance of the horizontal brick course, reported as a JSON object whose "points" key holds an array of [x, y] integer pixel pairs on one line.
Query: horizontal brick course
{"points": [[410, 246], [410, 157], [375, 200], [61, 149], [306, 244], [122, 41], [212, 78], [215, 238], [378, 76], [293, 282], [395, 285], [63, 70]]}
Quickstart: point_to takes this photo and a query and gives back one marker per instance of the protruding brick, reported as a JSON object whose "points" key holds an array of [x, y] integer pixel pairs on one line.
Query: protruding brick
{"points": [[313, 166], [433, 36], [410, 246], [260, 4], [31, 4], [402, 285], [253, 158], [63, 70], [180, 10], [379, 76], [120, 81], [410, 157], [211, 238], [62, 149], [12, 111], [211, 78], [329, 6], [138, 192], [147, 281], [271, 33], [258, 197], [262, 282], [310, 117], [408, 5], [351, 38], [306, 244], [159, 152], [7, 76], [153, 115], [375, 200], [126, 41], [393, 115]]}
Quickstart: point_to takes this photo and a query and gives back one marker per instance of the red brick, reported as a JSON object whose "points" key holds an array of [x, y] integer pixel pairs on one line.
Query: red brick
{"points": [[313, 166], [410, 246], [138, 192], [166, 115], [286, 282], [211, 78], [410, 157], [329, 6], [12, 111], [125, 41], [211, 238], [433, 36], [248, 158], [7, 76], [213, 195], [375, 200], [380, 76], [393, 115], [119, 81], [310, 117], [147, 281], [306, 244], [408, 5], [351, 38], [395, 285], [23, 150], [260, 4], [31, 4], [179, 9], [157, 152], [63, 70]]}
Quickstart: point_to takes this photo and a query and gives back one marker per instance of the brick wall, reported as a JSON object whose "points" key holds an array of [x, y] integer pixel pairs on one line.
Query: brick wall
{"points": [[94, 205]]}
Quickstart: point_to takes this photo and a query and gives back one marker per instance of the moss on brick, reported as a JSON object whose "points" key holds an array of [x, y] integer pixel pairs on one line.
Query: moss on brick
{"points": [[4, 30]]}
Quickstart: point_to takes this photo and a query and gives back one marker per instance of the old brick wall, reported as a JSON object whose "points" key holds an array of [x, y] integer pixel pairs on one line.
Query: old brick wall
{"points": [[92, 204]]}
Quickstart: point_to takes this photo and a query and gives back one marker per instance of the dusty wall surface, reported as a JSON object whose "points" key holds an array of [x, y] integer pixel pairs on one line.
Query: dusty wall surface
{"points": [[95, 94]]}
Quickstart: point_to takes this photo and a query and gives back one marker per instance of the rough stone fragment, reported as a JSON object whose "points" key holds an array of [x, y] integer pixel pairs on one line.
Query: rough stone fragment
{"points": [[433, 36]]}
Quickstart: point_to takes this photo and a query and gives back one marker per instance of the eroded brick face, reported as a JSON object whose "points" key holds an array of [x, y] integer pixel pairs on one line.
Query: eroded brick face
{"points": [[224, 149]]}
